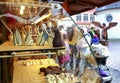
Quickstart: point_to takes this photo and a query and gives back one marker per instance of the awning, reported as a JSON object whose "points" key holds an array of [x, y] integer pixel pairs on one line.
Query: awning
{"points": [[78, 6], [32, 13]]}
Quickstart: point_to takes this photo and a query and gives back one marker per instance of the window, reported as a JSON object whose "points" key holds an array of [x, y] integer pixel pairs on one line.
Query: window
{"points": [[78, 17], [92, 17], [85, 17]]}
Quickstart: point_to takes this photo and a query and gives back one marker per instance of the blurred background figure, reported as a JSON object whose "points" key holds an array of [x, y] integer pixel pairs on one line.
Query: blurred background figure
{"points": [[94, 37], [63, 32]]}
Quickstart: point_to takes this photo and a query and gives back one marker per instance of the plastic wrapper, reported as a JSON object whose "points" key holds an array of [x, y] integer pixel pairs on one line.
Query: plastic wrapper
{"points": [[28, 40], [90, 76], [17, 40], [91, 59], [39, 38]]}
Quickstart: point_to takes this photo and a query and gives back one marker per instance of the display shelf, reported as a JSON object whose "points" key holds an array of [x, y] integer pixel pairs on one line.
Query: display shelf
{"points": [[6, 50], [7, 47], [28, 74]]}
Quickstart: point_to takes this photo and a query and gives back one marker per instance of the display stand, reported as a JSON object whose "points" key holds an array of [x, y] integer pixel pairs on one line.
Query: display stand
{"points": [[11, 70], [7, 59]]}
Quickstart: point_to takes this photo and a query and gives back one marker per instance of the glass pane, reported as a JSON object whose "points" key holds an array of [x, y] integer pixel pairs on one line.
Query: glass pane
{"points": [[85, 17], [78, 17], [34, 28], [92, 17]]}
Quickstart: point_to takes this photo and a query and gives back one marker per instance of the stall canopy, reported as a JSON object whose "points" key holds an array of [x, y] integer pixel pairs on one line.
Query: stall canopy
{"points": [[77, 6], [72, 6], [9, 8]]}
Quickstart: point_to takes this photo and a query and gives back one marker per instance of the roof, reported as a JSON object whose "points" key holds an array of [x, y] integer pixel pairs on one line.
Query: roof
{"points": [[78, 6], [110, 6]]}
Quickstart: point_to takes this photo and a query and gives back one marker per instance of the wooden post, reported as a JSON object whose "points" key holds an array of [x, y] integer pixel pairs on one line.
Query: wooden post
{"points": [[10, 68], [6, 69]]}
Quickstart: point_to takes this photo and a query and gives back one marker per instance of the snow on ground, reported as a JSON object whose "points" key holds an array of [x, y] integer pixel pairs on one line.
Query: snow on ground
{"points": [[114, 60]]}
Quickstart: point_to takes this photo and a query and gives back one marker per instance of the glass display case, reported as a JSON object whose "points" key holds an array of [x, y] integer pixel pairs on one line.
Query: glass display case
{"points": [[41, 42]]}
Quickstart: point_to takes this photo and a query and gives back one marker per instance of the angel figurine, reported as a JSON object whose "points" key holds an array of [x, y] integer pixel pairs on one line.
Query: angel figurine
{"points": [[105, 28]]}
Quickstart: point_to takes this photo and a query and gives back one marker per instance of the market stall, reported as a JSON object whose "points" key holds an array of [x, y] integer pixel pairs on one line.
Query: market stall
{"points": [[35, 49]]}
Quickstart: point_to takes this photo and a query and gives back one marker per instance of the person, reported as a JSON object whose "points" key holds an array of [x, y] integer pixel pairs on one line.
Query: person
{"points": [[83, 50], [84, 42], [73, 37], [64, 58], [94, 37], [63, 32]]}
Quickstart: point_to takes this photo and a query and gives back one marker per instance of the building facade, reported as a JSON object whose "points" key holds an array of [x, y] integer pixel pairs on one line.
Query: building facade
{"points": [[107, 14], [82, 19], [85, 18]]}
